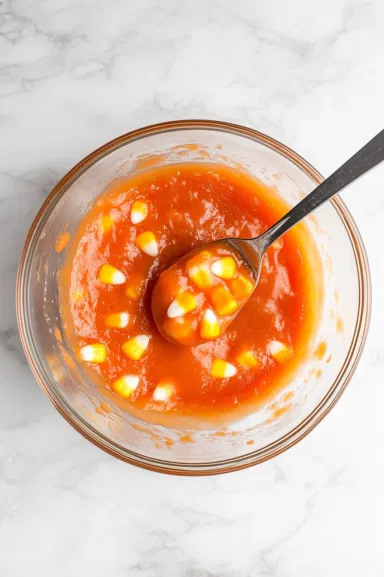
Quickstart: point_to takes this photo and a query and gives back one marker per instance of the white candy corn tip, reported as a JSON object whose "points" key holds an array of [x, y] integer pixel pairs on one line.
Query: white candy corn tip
{"points": [[96, 353], [224, 267], [139, 211], [151, 248], [163, 392], [136, 347], [279, 351], [108, 274], [175, 310], [142, 341], [146, 241], [222, 369], [230, 370], [210, 317], [132, 381], [87, 353], [117, 320], [209, 327], [184, 303], [126, 385]]}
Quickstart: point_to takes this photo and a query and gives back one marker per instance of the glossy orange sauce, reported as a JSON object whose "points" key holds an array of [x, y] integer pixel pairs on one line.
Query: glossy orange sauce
{"points": [[189, 205]]}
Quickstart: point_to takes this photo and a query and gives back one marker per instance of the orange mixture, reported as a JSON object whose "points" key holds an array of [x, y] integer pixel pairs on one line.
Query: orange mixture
{"points": [[138, 228], [196, 299]]}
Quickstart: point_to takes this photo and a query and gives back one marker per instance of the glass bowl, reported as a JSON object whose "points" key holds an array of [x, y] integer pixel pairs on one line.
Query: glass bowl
{"points": [[308, 396]]}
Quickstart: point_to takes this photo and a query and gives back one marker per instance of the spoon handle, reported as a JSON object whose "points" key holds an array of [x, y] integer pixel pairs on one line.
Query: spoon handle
{"points": [[366, 158]]}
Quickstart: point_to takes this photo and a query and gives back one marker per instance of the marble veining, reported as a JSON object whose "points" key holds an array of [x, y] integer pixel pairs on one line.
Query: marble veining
{"points": [[73, 75]]}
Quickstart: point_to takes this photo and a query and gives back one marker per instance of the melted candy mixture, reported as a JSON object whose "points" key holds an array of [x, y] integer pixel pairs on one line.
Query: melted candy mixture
{"points": [[137, 229]]}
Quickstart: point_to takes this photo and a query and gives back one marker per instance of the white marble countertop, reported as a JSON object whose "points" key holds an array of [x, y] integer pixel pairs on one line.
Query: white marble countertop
{"points": [[73, 75]]}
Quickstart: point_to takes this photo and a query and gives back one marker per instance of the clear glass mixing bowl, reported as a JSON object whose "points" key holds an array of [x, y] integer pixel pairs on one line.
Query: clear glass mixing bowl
{"points": [[307, 398]]}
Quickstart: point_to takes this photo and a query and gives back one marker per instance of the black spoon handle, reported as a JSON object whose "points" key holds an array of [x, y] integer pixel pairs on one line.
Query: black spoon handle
{"points": [[366, 158]]}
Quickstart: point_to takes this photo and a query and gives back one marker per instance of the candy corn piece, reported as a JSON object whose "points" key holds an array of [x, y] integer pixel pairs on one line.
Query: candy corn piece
{"points": [[117, 320], [183, 304], [163, 391], [222, 370], [198, 270], [247, 359], [209, 327], [135, 348], [241, 287], [146, 241], [106, 222], [108, 274], [224, 267], [96, 353], [133, 288], [125, 385], [139, 211], [279, 351], [222, 300]]}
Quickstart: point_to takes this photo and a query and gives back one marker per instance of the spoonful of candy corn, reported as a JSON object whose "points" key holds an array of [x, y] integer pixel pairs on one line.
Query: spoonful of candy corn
{"points": [[196, 299]]}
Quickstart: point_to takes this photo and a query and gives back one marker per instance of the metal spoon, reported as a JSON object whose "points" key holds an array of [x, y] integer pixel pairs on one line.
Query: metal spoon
{"points": [[364, 160], [252, 250]]}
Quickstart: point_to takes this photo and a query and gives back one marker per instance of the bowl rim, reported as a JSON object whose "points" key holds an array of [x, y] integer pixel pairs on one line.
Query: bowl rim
{"points": [[310, 421]]}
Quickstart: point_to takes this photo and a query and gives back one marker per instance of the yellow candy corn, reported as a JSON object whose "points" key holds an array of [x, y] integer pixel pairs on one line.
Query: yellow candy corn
{"points": [[139, 211], [108, 274], [183, 304], [222, 300], [198, 270], [241, 287], [163, 391], [125, 385], [224, 267], [135, 348], [146, 241], [279, 351], [117, 320], [222, 370], [247, 359], [106, 222], [209, 327], [95, 353]]}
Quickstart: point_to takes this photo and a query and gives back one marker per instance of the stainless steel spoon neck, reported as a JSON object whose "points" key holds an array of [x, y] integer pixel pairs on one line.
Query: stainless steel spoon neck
{"points": [[251, 251], [364, 160], [371, 155]]}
